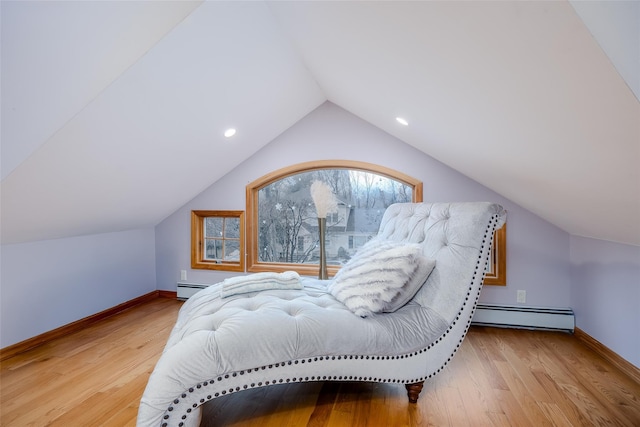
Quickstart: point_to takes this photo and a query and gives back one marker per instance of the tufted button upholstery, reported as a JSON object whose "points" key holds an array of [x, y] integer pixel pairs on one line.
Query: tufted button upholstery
{"points": [[287, 325], [215, 337], [446, 233]]}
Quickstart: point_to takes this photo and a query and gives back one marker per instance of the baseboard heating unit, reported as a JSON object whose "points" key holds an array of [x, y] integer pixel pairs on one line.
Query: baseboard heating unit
{"points": [[188, 289], [522, 317], [504, 316]]}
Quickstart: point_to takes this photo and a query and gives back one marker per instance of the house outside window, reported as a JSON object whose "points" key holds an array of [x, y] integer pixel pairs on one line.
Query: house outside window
{"points": [[356, 241]]}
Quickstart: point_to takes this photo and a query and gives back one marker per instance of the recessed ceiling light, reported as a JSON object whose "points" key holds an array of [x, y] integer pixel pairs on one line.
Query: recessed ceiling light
{"points": [[229, 132], [402, 121]]}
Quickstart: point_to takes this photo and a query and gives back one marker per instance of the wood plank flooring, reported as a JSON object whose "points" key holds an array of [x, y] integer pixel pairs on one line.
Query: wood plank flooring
{"points": [[499, 377]]}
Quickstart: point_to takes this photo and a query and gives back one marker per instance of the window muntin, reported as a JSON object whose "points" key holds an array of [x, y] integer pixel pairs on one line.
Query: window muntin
{"points": [[222, 239], [217, 240]]}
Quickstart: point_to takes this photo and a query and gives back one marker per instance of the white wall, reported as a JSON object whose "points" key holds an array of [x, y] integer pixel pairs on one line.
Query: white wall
{"points": [[605, 293], [537, 252], [48, 284], [51, 283]]}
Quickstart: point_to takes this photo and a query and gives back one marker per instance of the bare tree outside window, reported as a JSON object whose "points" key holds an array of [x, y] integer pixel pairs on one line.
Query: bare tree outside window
{"points": [[282, 224], [287, 224]]}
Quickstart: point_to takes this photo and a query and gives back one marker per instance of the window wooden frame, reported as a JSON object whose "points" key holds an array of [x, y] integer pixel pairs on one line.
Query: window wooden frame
{"points": [[198, 260], [252, 189], [498, 275]]}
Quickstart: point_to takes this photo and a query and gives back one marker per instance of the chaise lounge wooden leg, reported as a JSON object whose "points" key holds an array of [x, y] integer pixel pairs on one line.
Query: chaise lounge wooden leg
{"points": [[413, 390]]}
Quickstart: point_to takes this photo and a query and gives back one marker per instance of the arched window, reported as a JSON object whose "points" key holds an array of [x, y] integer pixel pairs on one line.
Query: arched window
{"points": [[282, 228]]}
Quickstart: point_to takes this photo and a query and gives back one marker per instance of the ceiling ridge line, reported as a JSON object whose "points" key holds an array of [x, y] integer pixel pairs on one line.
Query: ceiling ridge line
{"points": [[286, 36]]}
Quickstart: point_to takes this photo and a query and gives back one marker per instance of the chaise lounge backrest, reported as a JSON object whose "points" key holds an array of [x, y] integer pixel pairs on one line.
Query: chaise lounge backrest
{"points": [[219, 347], [448, 233]]}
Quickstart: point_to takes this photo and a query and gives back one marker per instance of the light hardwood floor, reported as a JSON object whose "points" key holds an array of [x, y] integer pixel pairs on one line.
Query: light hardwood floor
{"points": [[499, 377]]}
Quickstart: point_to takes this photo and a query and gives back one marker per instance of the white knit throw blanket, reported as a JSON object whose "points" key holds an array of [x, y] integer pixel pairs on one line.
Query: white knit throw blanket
{"points": [[260, 282]]}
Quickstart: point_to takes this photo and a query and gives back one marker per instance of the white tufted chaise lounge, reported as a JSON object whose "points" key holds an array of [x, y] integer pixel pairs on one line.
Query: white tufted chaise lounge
{"points": [[225, 345]]}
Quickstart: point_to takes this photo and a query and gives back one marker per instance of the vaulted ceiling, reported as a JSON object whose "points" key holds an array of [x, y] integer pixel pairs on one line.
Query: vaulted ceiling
{"points": [[113, 112]]}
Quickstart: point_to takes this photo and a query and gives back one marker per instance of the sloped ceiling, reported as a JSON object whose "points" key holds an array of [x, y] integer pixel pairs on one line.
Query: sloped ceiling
{"points": [[149, 137], [113, 112]]}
